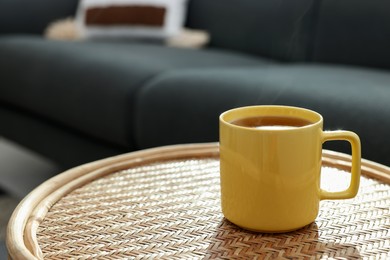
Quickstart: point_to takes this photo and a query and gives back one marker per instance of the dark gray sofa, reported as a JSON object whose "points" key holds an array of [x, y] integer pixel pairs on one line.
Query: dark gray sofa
{"points": [[75, 102]]}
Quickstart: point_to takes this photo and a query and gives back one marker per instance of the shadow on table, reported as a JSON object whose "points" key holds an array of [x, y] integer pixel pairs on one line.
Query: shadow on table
{"points": [[232, 242]]}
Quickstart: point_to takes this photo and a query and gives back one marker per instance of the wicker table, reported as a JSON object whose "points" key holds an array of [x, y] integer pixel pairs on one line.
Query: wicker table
{"points": [[164, 203]]}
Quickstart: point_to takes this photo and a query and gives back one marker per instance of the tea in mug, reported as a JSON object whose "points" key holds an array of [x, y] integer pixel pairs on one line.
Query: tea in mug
{"points": [[271, 122]]}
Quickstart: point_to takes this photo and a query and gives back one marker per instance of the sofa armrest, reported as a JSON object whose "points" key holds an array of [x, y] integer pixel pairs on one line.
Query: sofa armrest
{"points": [[32, 16]]}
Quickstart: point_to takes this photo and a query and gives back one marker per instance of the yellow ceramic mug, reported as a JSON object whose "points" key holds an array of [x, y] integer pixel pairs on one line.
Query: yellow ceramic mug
{"points": [[270, 175]]}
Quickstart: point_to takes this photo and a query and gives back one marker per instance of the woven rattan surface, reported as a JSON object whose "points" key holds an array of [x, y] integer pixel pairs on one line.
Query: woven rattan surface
{"points": [[171, 209]]}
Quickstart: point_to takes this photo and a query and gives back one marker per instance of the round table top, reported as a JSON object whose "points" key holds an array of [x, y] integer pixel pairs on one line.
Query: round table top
{"points": [[165, 203]]}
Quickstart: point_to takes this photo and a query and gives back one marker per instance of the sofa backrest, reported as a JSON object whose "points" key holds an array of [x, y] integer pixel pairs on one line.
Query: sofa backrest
{"points": [[33, 16], [278, 29], [353, 32], [332, 31]]}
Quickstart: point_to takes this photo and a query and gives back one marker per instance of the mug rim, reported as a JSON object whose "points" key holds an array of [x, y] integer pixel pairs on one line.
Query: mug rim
{"points": [[310, 114]]}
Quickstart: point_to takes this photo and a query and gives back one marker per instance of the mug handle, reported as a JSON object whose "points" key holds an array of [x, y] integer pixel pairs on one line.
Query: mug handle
{"points": [[354, 140]]}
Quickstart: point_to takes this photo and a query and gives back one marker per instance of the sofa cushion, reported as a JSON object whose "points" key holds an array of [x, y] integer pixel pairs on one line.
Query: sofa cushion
{"points": [[131, 18], [279, 29], [353, 32], [90, 86], [348, 98]]}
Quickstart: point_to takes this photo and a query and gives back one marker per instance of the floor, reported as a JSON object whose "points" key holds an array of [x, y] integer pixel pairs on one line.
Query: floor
{"points": [[7, 205], [21, 171]]}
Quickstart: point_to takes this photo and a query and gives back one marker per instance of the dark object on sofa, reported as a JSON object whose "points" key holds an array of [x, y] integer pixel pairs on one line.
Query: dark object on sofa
{"points": [[75, 102]]}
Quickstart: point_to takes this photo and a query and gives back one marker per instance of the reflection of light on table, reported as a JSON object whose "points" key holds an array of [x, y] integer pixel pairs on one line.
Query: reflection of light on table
{"points": [[334, 180]]}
